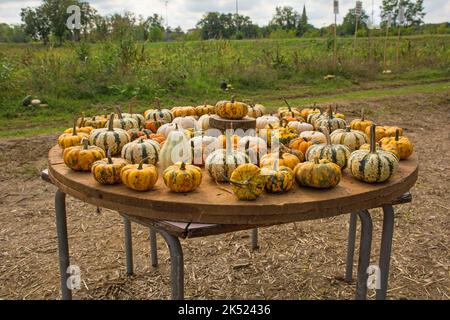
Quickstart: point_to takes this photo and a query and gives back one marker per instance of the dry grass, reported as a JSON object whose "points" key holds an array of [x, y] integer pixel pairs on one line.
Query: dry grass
{"points": [[295, 261]]}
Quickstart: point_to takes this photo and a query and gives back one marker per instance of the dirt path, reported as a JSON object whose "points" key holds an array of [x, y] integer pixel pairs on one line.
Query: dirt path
{"points": [[295, 261]]}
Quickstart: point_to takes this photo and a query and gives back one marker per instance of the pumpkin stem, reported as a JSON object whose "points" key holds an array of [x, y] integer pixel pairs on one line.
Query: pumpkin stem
{"points": [[316, 160], [326, 132], [111, 122], [348, 129], [397, 134], [330, 112], [141, 164], [233, 98], [108, 155], [373, 145], [183, 166], [158, 103], [83, 120], [362, 114], [74, 129], [288, 105], [119, 112], [85, 143]]}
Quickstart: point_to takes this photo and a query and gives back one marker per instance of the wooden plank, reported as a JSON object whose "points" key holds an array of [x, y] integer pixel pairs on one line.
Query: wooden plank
{"points": [[211, 205]]}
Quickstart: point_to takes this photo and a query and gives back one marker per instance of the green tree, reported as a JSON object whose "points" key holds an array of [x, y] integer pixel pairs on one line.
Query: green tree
{"points": [[414, 11], [211, 26], [285, 18], [56, 13], [36, 23], [303, 26], [349, 24]]}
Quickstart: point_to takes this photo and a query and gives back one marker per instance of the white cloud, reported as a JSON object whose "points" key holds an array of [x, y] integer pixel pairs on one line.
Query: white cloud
{"points": [[186, 13]]}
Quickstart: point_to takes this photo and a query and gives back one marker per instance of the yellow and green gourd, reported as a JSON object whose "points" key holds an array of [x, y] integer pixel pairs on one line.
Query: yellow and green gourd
{"points": [[319, 174], [110, 138], [82, 157], [182, 177], [374, 165], [107, 171], [232, 110], [247, 182], [139, 177]]}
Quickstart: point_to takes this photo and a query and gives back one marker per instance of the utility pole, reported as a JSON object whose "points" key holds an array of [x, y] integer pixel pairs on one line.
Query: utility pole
{"points": [[358, 11], [336, 12], [167, 14]]}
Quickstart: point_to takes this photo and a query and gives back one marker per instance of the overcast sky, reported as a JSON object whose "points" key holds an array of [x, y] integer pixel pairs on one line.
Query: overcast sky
{"points": [[186, 13]]}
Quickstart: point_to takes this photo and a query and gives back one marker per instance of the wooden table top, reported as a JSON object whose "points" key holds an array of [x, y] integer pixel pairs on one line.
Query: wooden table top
{"points": [[211, 204]]}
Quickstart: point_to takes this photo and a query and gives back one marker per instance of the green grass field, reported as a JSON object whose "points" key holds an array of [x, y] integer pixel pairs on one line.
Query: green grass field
{"points": [[95, 77]]}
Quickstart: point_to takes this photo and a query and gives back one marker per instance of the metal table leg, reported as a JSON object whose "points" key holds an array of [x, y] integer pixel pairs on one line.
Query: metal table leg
{"points": [[63, 243], [153, 248], [254, 239], [351, 247], [385, 250], [177, 265], [364, 254], [128, 245]]}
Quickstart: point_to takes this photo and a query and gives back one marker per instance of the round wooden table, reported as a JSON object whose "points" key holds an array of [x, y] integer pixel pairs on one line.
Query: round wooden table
{"points": [[211, 203]]}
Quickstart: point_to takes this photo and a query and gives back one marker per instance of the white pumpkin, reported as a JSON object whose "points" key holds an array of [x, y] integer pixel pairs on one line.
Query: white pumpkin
{"points": [[255, 111], [353, 139], [314, 136], [203, 122], [221, 163], [139, 150], [264, 121], [300, 127], [176, 149], [185, 122], [167, 128]]}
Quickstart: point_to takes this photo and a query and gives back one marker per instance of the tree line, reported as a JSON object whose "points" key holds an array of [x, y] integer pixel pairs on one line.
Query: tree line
{"points": [[47, 22]]}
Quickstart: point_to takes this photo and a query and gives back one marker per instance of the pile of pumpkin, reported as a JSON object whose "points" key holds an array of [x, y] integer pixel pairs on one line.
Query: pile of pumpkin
{"points": [[315, 146]]}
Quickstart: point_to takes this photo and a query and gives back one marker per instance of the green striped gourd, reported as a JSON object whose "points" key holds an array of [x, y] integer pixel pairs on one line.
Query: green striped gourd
{"points": [[137, 151], [374, 165], [140, 119], [109, 138], [123, 123], [330, 122], [159, 114], [336, 153], [221, 163], [353, 139]]}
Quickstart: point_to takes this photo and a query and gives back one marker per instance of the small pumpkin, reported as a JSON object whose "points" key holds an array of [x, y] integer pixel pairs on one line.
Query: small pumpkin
{"points": [[313, 136], [188, 122], [319, 174], [361, 124], [221, 163], [300, 127], [380, 133], [279, 179], [307, 111], [139, 177], [107, 171], [337, 114], [313, 117], [288, 111], [153, 124], [391, 131], [330, 122], [284, 160], [264, 121], [186, 111], [73, 138], [176, 149], [204, 110], [353, 139], [374, 165], [167, 128], [138, 150], [110, 138], [182, 177], [158, 114], [203, 122], [402, 144], [247, 182], [301, 144], [255, 110], [336, 153], [140, 119], [123, 123], [138, 133], [96, 122], [81, 158], [232, 110]]}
